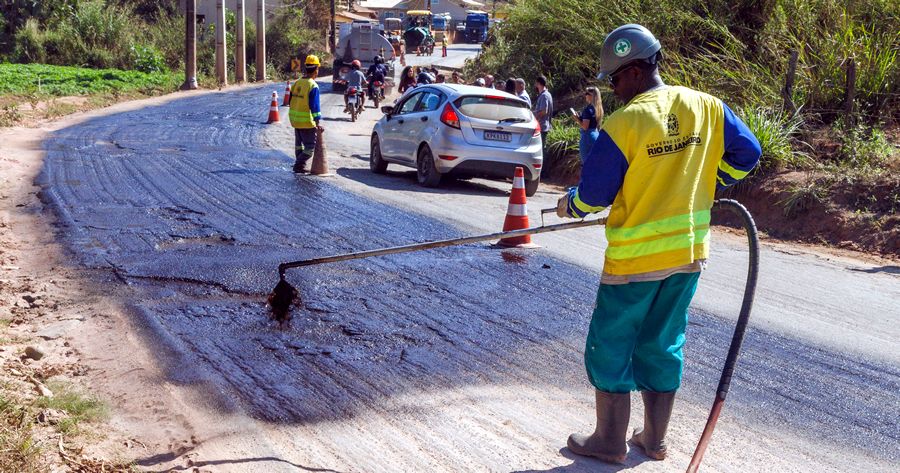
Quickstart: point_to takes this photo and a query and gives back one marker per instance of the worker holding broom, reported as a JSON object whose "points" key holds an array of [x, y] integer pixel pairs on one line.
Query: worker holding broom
{"points": [[305, 113], [657, 164]]}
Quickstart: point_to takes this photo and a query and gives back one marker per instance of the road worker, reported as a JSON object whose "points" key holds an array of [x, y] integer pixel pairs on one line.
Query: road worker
{"points": [[305, 113], [657, 164]]}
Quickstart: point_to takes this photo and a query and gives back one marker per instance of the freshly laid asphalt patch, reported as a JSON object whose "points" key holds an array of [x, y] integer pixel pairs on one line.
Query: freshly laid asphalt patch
{"points": [[184, 204]]}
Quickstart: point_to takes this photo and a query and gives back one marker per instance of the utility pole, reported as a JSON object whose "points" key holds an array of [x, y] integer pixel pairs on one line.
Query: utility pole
{"points": [[240, 56], [261, 40], [221, 62], [190, 45], [331, 41]]}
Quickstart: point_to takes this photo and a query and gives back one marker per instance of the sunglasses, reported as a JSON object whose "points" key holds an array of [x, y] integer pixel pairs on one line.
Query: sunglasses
{"points": [[613, 78]]}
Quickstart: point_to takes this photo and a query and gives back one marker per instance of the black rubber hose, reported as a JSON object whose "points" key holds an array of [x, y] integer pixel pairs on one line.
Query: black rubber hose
{"points": [[737, 339]]}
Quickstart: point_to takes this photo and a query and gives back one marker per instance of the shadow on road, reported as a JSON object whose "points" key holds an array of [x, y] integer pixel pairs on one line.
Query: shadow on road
{"points": [[591, 465], [879, 269], [406, 181]]}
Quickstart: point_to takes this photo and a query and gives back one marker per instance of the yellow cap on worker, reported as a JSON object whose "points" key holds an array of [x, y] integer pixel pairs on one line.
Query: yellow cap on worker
{"points": [[312, 60]]}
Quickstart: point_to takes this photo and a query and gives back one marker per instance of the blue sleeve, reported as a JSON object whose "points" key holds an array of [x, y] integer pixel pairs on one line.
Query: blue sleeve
{"points": [[742, 151], [587, 113], [601, 178], [314, 106]]}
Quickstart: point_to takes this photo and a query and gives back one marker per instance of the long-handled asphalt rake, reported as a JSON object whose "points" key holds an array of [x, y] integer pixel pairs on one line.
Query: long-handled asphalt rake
{"points": [[284, 295]]}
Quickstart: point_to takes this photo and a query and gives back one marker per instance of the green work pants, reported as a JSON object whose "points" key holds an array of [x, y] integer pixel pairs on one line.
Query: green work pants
{"points": [[636, 334]]}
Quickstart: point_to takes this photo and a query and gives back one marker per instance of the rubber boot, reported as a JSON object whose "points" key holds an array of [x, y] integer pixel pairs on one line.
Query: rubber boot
{"points": [[608, 440], [657, 412]]}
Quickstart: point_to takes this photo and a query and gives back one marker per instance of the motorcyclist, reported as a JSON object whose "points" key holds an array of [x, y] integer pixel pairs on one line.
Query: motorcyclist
{"points": [[355, 79], [376, 73]]}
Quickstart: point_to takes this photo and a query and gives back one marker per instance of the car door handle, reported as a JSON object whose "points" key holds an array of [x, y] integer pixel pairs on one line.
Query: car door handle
{"points": [[424, 119]]}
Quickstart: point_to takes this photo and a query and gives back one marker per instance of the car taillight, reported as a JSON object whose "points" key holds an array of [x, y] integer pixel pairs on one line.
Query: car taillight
{"points": [[447, 157], [449, 117], [537, 130]]}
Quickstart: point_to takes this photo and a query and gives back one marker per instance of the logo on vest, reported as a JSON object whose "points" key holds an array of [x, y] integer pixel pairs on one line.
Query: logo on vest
{"points": [[672, 125], [673, 146]]}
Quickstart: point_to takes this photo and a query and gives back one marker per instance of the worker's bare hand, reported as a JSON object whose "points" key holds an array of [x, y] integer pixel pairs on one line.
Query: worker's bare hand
{"points": [[320, 128], [562, 206]]}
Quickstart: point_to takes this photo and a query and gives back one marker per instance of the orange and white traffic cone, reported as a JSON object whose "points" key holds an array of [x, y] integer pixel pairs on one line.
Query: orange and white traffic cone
{"points": [[517, 214], [287, 96], [273, 109]]}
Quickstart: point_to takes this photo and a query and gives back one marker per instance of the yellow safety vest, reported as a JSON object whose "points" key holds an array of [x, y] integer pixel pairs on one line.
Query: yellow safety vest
{"points": [[673, 140], [300, 114]]}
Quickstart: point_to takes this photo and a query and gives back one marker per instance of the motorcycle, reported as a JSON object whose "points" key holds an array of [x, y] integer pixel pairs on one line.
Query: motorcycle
{"points": [[378, 96], [355, 101]]}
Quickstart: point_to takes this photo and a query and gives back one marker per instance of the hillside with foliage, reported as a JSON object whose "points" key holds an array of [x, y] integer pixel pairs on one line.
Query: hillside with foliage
{"points": [[829, 173], [145, 35]]}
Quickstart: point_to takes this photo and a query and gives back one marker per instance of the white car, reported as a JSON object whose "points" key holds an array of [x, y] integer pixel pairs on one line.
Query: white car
{"points": [[460, 130]]}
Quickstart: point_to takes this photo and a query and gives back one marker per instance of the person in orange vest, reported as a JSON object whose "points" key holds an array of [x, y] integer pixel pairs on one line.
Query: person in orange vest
{"points": [[305, 113], [656, 164]]}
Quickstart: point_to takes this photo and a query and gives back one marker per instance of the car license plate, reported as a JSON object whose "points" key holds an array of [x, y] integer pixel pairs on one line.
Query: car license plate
{"points": [[498, 136], [352, 99]]}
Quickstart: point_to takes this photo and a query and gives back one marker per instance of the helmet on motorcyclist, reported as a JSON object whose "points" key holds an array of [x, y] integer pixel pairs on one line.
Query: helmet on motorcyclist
{"points": [[379, 59], [356, 64]]}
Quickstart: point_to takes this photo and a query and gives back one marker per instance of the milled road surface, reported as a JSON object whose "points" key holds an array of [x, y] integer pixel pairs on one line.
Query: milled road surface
{"points": [[460, 359]]}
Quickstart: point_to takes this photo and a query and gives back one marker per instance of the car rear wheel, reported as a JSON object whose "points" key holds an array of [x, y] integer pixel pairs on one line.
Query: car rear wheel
{"points": [[426, 172], [531, 186], [377, 164]]}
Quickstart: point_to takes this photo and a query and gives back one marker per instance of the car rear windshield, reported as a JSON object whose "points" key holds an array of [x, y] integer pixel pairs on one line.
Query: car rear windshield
{"points": [[493, 108]]}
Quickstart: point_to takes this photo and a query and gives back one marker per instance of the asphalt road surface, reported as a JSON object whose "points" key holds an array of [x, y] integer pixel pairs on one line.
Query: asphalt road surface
{"points": [[460, 359]]}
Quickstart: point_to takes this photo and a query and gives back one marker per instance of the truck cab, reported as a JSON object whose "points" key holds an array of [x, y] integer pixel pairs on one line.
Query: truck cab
{"points": [[476, 26]]}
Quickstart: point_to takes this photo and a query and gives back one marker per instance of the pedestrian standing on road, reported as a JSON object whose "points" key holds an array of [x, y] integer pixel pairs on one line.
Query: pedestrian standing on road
{"points": [[407, 79], [305, 113], [489, 81], [479, 82], [521, 92], [510, 86], [543, 110], [440, 79], [455, 78], [657, 162], [591, 116]]}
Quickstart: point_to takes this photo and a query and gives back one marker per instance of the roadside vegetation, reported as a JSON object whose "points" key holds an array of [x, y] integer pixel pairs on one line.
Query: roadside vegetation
{"points": [[830, 142], [112, 50]]}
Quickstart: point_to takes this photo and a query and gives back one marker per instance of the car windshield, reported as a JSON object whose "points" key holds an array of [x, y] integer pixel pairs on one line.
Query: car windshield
{"points": [[494, 108]]}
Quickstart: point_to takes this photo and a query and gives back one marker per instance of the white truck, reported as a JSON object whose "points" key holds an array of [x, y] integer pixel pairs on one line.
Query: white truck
{"points": [[364, 41]]}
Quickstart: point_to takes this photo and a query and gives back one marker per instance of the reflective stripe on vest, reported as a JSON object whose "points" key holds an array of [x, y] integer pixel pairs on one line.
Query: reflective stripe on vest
{"points": [[300, 114], [661, 215]]}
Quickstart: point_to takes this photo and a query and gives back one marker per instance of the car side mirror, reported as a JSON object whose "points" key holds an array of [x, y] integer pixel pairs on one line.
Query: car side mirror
{"points": [[387, 110]]}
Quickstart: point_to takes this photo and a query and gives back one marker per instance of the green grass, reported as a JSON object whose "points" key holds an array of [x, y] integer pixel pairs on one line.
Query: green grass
{"points": [[79, 407], [776, 132], [18, 450], [47, 80]]}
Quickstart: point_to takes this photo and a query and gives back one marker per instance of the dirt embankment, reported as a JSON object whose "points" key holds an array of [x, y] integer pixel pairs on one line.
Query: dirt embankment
{"points": [[811, 208]]}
